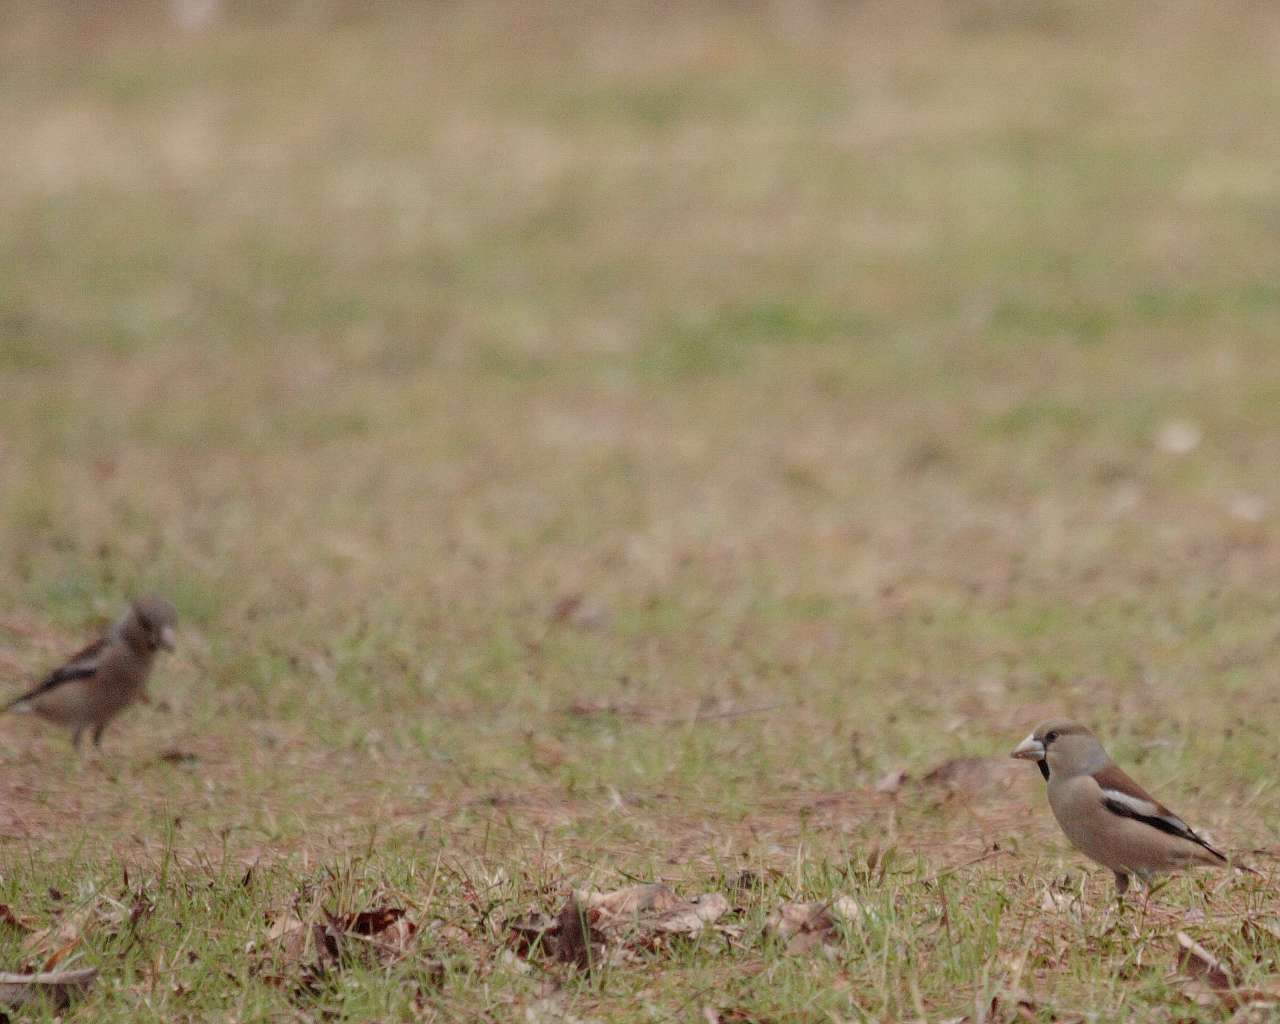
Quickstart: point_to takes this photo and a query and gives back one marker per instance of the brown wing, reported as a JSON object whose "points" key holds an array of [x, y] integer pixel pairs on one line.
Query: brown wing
{"points": [[81, 665], [1126, 799], [1114, 777], [89, 652]]}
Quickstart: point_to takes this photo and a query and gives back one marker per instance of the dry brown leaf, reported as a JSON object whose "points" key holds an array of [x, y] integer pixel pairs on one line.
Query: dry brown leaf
{"points": [[1054, 902], [55, 987], [576, 610], [397, 937], [301, 952], [286, 937], [1008, 1009], [51, 945], [1211, 981], [619, 709], [592, 923], [1178, 437], [546, 752], [803, 926], [630, 900], [58, 955], [453, 934], [1198, 963], [387, 930], [1012, 1008], [19, 923], [533, 932], [691, 916], [1248, 508], [568, 937], [891, 782], [577, 942], [649, 908], [1260, 933], [732, 1015], [368, 922], [972, 774], [1024, 1009]]}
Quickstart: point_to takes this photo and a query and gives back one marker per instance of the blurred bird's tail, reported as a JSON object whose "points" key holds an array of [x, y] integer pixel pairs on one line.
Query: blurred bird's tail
{"points": [[1245, 868], [21, 706]]}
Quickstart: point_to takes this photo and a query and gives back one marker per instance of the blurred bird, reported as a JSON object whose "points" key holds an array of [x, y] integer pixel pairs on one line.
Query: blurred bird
{"points": [[1105, 814], [102, 680]]}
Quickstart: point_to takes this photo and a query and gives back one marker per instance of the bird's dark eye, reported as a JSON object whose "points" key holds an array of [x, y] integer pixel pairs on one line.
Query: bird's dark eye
{"points": [[1051, 736]]}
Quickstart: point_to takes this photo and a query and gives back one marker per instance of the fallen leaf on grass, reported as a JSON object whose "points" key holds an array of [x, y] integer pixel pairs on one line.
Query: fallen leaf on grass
{"points": [[288, 941], [576, 942], [386, 931], [1249, 508], [1009, 1008], [649, 908], [1211, 980], [972, 774], [532, 932], [803, 926], [51, 945], [1015, 1008], [691, 917], [733, 1015], [1054, 902], [593, 709], [369, 922], [546, 753], [1197, 962], [1178, 437], [751, 883], [892, 782], [308, 950], [630, 900], [592, 923], [1262, 936], [11, 920], [56, 987], [576, 610]]}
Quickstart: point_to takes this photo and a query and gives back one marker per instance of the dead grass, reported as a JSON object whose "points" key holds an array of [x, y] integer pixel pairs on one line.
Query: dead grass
{"points": [[588, 446]]}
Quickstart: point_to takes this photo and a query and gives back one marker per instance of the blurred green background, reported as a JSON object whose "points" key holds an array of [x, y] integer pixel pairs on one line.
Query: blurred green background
{"points": [[861, 353]]}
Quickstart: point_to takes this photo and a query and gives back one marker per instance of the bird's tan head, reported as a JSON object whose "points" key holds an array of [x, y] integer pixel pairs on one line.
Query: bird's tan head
{"points": [[1063, 748], [149, 624]]}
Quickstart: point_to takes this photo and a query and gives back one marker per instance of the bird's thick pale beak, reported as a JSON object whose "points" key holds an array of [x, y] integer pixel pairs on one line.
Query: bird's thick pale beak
{"points": [[1030, 749], [167, 638]]}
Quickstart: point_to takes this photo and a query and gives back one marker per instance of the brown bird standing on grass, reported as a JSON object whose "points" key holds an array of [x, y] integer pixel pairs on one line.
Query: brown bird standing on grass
{"points": [[107, 676], [1105, 814]]}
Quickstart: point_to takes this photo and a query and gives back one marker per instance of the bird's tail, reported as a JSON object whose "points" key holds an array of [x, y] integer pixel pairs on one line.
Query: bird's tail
{"points": [[1246, 869], [1224, 860], [20, 706]]}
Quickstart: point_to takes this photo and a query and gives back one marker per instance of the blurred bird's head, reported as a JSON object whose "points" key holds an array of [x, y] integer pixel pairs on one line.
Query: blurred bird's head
{"points": [[149, 624]]}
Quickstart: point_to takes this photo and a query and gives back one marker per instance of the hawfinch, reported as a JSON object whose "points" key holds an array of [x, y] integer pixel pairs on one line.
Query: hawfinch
{"points": [[1105, 814], [102, 680]]}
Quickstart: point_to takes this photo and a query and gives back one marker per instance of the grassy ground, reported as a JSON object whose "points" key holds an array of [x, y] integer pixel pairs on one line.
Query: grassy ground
{"points": [[588, 443]]}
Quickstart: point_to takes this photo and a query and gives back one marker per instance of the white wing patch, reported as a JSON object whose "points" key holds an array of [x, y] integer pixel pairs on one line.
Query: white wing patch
{"points": [[84, 666], [1126, 805], [1129, 806], [1136, 804]]}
